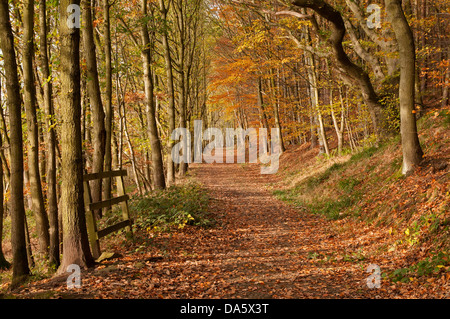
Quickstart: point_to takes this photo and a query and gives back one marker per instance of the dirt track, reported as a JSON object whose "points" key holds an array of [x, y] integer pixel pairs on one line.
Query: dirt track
{"points": [[260, 248]]}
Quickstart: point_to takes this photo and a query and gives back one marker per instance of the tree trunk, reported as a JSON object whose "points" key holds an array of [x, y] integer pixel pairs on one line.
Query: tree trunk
{"points": [[276, 103], [20, 263], [132, 156], [314, 94], [261, 106], [3, 152], [93, 87], [109, 111], [263, 119], [52, 198], [412, 151], [75, 239], [171, 93], [277, 112], [4, 264], [339, 129], [30, 102], [157, 160], [181, 26]]}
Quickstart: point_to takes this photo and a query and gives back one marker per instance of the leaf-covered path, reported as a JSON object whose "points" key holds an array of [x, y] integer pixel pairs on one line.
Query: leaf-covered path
{"points": [[260, 247], [264, 248]]}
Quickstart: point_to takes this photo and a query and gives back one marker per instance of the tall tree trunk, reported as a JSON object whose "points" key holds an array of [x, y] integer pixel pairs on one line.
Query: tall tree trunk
{"points": [[93, 87], [338, 127], [261, 106], [132, 155], [20, 263], [264, 122], [412, 151], [4, 264], [181, 26], [109, 111], [75, 239], [314, 93], [157, 159], [276, 105], [30, 102], [170, 91], [52, 197], [3, 152]]}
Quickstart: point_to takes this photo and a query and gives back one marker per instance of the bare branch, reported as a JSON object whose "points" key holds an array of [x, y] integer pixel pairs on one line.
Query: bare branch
{"points": [[295, 14], [308, 48]]}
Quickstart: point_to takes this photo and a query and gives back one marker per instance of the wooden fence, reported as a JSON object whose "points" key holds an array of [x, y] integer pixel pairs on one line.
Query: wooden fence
{"points": [[122, 199]]}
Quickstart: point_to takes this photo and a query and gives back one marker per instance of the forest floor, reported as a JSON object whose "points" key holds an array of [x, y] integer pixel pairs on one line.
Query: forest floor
{"points": [[261, 246]]}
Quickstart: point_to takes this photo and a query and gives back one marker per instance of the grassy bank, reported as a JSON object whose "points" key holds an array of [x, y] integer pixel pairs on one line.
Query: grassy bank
{"points": [[410, 215]]}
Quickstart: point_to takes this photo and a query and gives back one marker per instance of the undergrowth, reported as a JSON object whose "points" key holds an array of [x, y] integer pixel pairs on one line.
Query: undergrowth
{"points": [[174, 208], [432, 265]]}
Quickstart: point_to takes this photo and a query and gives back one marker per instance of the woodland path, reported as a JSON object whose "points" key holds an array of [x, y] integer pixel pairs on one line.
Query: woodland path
{"points": [[271, 250], [260, 248]]}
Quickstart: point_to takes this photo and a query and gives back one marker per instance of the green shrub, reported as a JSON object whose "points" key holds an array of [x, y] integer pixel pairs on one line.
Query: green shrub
{"points": [[430, 266], [175, 207]]}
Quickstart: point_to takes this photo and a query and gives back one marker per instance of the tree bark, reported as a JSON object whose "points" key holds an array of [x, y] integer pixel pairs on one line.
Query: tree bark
{"points": [[4, 264], [264, 122], [20, 263], [170, 91], [412, 151], [30, 102], [157, 160], [181, 26], [75, 239], [276, 103], [314, 96], [93, 87], [52, 197], [109, 111], [132, 155]]}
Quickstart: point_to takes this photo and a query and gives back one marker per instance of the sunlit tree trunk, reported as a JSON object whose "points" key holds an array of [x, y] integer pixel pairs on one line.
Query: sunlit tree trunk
{"points": [[30, 103], [314, 93], [52, 199], [412, 151], [75, 240], [93, 87], [157, 161], [170, 91], [18, 243], [109, 111]]}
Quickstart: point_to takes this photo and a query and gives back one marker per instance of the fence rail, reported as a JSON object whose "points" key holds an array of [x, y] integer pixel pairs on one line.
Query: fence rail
{"points": [[122, 199]]}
